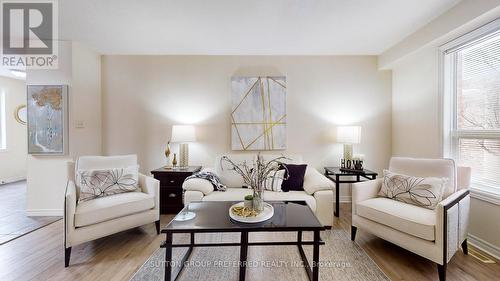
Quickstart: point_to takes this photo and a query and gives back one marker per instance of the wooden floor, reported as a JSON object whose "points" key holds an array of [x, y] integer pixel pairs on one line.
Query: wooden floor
{"points": [[13, 219], [39, 256]]}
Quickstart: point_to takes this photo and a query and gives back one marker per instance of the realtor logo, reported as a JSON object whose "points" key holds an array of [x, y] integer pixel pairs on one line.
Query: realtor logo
{"points": [[28, 34]]}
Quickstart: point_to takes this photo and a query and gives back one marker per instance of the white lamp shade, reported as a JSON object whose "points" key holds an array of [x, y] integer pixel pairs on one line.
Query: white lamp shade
{"points": [[183, 133], [349, 134]]}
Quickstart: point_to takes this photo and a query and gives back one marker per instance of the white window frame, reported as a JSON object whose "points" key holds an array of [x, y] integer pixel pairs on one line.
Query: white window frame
{"points": [[3, 122], [448, 105]]}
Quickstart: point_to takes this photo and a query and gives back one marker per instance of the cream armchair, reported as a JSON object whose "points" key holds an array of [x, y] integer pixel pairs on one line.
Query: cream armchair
{"points": [[93, 219], [432, 234]]}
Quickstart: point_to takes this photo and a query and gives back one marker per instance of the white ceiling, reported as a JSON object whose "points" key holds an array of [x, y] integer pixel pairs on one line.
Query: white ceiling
{"points": [[245, 27]]}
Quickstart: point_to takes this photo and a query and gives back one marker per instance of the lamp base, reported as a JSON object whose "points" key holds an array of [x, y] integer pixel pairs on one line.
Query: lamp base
{"points": [[348, 151], [183, 155]]}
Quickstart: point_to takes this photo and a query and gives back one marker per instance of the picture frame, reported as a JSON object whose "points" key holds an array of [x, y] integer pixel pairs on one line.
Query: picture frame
{"points": [[47, 119]]}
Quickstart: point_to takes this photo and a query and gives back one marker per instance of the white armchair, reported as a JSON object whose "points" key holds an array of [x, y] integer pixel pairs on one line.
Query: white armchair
{"points": [[104, 216], [432, 234]]}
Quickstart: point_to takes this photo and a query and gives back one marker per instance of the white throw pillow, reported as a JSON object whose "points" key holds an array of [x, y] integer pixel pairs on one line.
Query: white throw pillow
{"points": [[274, 181], [105, 182], [422, 192]]}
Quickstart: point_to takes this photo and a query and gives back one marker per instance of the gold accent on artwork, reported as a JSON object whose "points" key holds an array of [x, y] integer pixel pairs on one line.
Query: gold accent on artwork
{"points": [[237, 132], [272, 125], [277, 82], [267, 122], [270, 109], [248, 92], [264, 129]]}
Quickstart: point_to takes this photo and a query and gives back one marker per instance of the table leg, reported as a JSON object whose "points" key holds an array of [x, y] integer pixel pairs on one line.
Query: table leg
{"points": [[243, 254], [315, 263], [337, 198], [168, 257]]}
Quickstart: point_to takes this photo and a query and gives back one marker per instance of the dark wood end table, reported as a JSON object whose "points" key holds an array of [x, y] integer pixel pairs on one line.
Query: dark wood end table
{"points": [[336, 175], [171, 187]]}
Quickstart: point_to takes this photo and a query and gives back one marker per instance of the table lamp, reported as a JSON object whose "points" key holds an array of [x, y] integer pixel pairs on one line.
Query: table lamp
{"points": [[183, 135], [348, 135]]}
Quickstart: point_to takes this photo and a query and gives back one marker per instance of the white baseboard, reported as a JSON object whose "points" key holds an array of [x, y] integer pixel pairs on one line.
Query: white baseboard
{"points": [[487, 247], [44, 213]]}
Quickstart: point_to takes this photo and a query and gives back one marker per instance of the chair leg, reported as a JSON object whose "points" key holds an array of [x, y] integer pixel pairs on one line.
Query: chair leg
{"points": [[442, 272], [67, 255], [157, 224], [353, 232], [465, 248]]}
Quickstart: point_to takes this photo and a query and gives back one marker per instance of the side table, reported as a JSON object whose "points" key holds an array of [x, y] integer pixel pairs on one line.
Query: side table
{"points": [[171, 187], [335, 175]]}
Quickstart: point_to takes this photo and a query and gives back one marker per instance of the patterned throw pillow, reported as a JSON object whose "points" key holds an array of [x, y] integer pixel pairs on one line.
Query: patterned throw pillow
{"points": [[422, 192], [274, 181], [100, 183]]}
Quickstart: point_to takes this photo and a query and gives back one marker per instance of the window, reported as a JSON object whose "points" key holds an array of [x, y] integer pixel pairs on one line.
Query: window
{"points": [[3, 129], [471, 99]]}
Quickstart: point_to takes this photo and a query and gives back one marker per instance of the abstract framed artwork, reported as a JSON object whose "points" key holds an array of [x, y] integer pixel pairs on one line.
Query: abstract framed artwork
{"points": [[47, 109], [258, 114]]}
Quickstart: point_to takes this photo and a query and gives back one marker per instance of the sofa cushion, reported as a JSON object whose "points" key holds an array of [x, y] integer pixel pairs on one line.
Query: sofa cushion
{"points": [[417, 221], [238, 194], [226, 173], [274, 181], [294, 177], [112, 207], [314, 181], [291, 196]]}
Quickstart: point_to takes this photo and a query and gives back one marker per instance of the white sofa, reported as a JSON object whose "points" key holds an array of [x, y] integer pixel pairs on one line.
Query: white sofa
{"points": [[433, 234], [104, 216], [318, 190]]}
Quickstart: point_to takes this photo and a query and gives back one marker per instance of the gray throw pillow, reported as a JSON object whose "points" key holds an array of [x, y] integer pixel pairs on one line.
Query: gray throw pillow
{"points": [[423, 192], [100, 183]]}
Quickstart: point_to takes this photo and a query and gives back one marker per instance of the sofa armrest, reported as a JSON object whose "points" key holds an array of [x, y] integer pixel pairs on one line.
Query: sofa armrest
{"points": [[70, 202], [196, 184], [365, 190], [201, 185], [149, 185], [315, 181]]}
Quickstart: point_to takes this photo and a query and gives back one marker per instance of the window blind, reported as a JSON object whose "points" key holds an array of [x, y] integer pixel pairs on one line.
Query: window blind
{"points": [[478, 109]]}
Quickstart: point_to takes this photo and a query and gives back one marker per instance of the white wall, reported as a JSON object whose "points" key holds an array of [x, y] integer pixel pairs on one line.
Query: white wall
{"points": [[143, 96], [415, 106], [13, 160], [79, 68]]}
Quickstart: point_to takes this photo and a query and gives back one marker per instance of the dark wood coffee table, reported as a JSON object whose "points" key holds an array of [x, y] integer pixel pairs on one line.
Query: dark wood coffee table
{"points": [[214, 217]]}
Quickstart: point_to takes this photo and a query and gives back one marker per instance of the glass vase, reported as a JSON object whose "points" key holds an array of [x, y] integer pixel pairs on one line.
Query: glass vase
{"points": [[258, 200]]}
